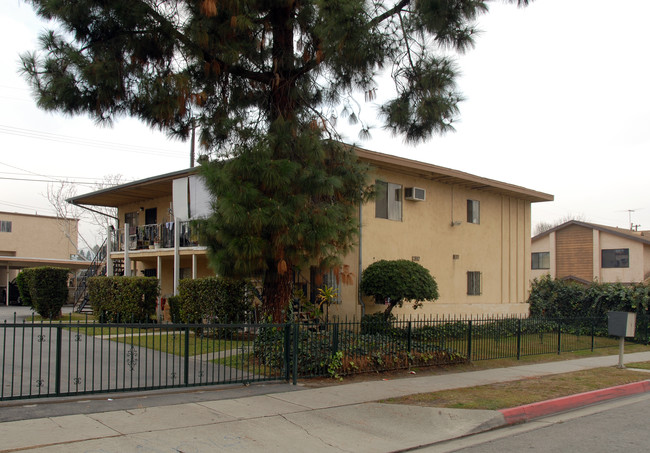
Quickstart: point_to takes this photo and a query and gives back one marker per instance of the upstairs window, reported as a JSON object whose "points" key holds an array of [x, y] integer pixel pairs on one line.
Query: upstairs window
{"points": [[5, 226], [541, 260], [388, 201], [473, 283], [615, 258], [473, 211]]}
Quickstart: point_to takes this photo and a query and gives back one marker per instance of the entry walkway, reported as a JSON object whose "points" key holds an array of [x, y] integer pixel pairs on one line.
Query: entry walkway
{"points": [[329, 419]]}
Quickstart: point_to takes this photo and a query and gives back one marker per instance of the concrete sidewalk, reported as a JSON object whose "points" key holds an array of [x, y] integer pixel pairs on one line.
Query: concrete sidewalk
{"points": [[336, 418]]}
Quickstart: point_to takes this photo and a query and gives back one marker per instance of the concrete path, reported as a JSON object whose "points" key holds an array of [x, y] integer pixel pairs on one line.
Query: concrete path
{"points": [[337, 418]]}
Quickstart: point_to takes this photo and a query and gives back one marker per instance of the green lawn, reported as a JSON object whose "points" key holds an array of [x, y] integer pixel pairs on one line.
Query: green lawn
{"points": [[174, 343]]}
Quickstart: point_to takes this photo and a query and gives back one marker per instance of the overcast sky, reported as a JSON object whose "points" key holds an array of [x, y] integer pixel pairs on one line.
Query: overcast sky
{"points": [[557, 100]]}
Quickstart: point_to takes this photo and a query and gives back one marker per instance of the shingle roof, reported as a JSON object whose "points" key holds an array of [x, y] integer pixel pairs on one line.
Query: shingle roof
{"points": [[639, 236]]}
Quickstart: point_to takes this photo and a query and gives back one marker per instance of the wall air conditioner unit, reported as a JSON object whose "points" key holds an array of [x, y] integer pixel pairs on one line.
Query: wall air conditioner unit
{"points": [[415, 194]]}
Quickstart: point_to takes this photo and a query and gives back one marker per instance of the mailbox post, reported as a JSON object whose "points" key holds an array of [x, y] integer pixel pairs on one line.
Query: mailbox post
{"points": [[621, 324]]}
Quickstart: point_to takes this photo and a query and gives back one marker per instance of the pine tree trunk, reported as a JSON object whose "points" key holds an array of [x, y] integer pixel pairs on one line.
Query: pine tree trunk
{"points": [[277, 295]]}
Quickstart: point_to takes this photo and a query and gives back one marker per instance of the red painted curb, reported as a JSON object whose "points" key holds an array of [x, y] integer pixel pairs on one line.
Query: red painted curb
{"points": [[529, 411]]}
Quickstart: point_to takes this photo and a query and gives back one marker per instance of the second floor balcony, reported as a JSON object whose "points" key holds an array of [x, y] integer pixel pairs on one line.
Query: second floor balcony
{"points": [[157, 236]]}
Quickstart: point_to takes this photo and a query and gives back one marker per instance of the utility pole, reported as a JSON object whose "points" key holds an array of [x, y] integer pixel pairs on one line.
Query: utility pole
{"points": [[192, 145], [633, 227]]}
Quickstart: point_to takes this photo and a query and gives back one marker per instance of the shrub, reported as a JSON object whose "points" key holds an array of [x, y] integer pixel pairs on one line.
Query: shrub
{"points": [[45, 289], [23, 289], [126, 299], [213, 298], [398, 281], [377, 324], [174, 303]]}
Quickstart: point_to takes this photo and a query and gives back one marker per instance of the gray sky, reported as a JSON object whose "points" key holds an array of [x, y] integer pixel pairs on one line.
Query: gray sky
{"points": [[557, 100]]}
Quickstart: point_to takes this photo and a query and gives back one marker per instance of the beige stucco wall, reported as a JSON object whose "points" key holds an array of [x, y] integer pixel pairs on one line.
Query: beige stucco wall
{"points": [[162, 205], [646, 262], [39, 236], [544, 244], [34, 236], [635, 272], [498, 247]]}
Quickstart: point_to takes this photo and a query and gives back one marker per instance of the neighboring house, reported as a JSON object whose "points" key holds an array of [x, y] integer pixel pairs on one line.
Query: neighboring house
{"points": [[472, 233], [587, 252], [34, 240]]}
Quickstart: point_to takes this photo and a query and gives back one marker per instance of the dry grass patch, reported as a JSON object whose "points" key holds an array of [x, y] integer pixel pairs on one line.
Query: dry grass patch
{"points": [[525, 391]]}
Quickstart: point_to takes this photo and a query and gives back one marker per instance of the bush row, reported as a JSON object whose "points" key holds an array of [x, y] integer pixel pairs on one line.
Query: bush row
{"points": [[213, 299], [126, 299], [553, 298]]}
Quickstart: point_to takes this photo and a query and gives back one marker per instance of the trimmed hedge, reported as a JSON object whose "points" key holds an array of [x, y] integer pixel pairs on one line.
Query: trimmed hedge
{"points": [[212, 298], [553, 298], [126, 299], [45, 289]]}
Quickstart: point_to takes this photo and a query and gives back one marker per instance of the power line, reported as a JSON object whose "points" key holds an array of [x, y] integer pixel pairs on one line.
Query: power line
{"points": [[26, 207], [43, 176], [82, 183], [51, 137], [52, 176]]}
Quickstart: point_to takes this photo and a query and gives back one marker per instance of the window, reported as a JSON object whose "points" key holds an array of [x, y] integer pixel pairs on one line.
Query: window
{"points": [[473, 283], [541, 260], [616, 258], [332, 280], [388, 203], [319, 279], [473, 211], [5, 226]]}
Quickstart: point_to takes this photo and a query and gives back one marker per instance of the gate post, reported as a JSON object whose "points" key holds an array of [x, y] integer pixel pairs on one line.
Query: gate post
{"points": [[57, 378], [469, 340], [296, 328], [186, 364], [287, 351], [519, 339]]}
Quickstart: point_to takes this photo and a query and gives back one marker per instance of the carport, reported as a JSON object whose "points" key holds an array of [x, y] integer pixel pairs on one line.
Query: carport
{"points": [[18, 263]]}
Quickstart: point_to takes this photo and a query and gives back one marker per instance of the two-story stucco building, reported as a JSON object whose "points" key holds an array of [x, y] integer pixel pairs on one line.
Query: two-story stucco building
{"points": [[589, 252], [472, 233], [28, 240]]}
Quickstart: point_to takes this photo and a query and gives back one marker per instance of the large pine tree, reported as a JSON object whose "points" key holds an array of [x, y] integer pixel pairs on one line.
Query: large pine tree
{"points": [[261, 79]]}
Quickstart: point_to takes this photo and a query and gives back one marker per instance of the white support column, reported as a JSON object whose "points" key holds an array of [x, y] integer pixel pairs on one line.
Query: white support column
{"points": [[195, 265], [177, 256], [127, 260], [159, 307], [109, 249]]}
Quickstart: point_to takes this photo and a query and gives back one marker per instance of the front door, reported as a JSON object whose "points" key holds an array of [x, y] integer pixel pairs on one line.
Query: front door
{"points": [[150, 216]]}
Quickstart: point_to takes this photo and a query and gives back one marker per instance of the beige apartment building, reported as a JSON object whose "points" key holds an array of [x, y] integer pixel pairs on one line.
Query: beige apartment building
{"points": [[28, 240], [472, 233], [588, 252]]}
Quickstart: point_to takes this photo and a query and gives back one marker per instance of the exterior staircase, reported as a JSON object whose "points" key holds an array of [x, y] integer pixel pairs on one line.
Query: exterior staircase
{"points": [[97, 267]]}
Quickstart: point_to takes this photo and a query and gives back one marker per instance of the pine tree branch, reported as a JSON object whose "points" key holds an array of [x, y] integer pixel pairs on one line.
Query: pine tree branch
{"points": [[239, 71]]}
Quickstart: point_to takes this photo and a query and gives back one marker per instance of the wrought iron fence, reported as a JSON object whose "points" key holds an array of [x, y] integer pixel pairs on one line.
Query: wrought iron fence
{"points": [[71, 358], [42, 359]]}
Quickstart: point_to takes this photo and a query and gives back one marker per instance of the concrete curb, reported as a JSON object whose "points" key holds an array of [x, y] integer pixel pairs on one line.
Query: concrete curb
{"points": [[527, 412]]}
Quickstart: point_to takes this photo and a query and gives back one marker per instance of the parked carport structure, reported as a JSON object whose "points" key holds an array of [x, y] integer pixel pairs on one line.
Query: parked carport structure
{"points": [[19, 263]]}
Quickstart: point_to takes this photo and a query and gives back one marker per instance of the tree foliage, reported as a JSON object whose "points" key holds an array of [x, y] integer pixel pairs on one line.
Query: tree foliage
{"points": [[262, 80], [396, 281]]}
